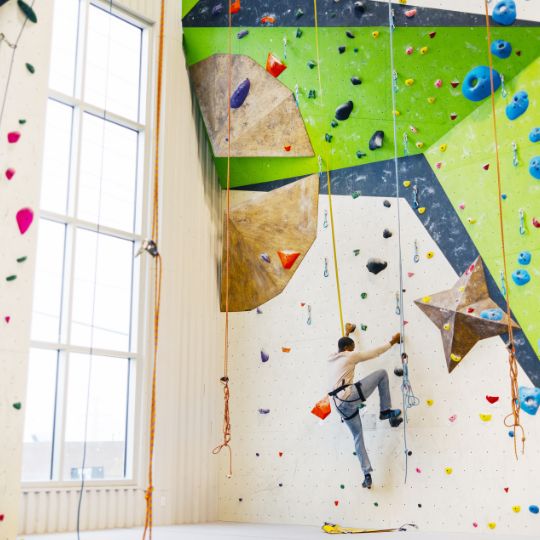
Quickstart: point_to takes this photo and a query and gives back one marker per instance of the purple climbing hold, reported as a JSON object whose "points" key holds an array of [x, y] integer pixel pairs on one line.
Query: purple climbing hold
{"points": [[242, 34], [375, 266], [376, 140], [265, 257], [240, 94], [356, 81], [264, 411], [217, 10], [349, 34], [387, 233], [264, 356], [344, 111], [341, 49]]}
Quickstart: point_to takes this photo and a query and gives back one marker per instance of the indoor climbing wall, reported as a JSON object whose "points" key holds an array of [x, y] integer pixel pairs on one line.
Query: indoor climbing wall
{"points": [[21, 131], [337, 66]]}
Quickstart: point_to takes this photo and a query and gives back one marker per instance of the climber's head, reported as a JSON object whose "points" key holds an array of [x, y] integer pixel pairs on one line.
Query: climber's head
{"points": [[345, 344]]}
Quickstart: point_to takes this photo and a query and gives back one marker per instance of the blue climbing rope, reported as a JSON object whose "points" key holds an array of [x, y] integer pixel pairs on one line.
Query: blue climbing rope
{"points": [[409, 399]]}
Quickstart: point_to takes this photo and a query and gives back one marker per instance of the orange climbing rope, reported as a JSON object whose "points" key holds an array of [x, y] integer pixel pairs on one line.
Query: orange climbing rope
{"points": [[514, 415], [157, 281], [328, 180], [225, 379]]}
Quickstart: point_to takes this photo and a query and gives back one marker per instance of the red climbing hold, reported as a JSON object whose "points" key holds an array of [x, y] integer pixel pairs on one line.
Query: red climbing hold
{"points": [[274, 65], [518, 53], [13, 137], [336, 503], [10, 173], [287, 148], [506, 489], [453, 116], [410, 13], [454, 84], [486, 167], [432, 34], [2, 517], [536, 223], [235, 6], [470, 310], [492, 399], [280, 454], [288, 258], [410, 274], [268, 19]]}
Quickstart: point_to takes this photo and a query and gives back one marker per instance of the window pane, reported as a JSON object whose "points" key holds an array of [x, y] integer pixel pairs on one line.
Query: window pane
{"points": [[64, 46], [113, 64], [56, 157], [106, 398], [48, 281], [113, 259], [39, 415], [108, 178]]}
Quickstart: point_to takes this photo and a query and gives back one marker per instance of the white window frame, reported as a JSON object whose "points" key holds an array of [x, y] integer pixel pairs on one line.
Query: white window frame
{"points": [[141, 300]]}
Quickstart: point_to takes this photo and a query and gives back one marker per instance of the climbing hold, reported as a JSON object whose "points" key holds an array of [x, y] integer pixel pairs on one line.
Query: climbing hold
{"points": [[375, 34], [375, 504], [455, 357], [387, 203], [426, 299], [516, 509], [359, 7], [387, 234], [342, 486], [534, 135], [376, 266], [446, 326], [432, 34], [264, 356], [360, 154], [453, 418], [7, 318], [274, 65], [22, 121], [288, 258], [521, 277], [410, 274], [363, 295], [13, 277], [533, 509], [501, 48], [492, 525], [453, 116], [356, 252], [524, 258], [504, 12], [240, 94], [264, 411], [298, 13], [396, 113], [31, 69], [268, 19], [265, 257], [334, 123], [406, 183], [429, 402], [534, 167], [299, 32], [529, 399], [217, 10], [328, 138], [438, 164], [17, 405], [413, 129], [409, 82], [311, 64], [438, 83], [485, 167], [356, 81], [10, 173], [409, 50], [235, 7], [13, 137], [398, 372], [287, 148], [410, 13], [492, 399], [454, 84], [286, 349], [506, 489], [341, 49], [27, 10], [356, 194], [431, 100], [376, 140], [471, 220], [485, 417], [443, 147], [349, 34], [518, 105], [24, 218], [336, 503], [475, 525], [424, 50], [344, 111], [242, 34], [363, 327], [312, 94], [430, 255], [419, 144], [492, 314], [418, 470], [477, 83], [280, 454], [448, 470], [536, 223]]}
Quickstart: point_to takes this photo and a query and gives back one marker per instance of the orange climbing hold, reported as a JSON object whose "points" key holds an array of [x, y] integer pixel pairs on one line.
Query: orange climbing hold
{"points": [[287, 148], [288, 258], [235, 6], [274, 65], [285, 349], [268, 19]]}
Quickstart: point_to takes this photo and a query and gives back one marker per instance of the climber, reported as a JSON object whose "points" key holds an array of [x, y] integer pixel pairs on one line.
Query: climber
{"points": [[349, 397]]}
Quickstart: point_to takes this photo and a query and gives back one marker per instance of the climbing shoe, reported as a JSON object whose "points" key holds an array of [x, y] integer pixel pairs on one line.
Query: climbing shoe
{"points": [[395, 422], [389, 413], [368, 482]]}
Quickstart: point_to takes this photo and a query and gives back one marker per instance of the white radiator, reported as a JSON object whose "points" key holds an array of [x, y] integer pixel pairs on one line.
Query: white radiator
{"points": [[55, 510]]}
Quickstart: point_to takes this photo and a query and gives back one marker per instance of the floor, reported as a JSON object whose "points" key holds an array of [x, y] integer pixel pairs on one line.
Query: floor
{"points": [[244, 531]]}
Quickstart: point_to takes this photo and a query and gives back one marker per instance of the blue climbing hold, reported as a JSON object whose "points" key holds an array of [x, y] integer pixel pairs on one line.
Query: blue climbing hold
{"points": [[240, 94], [505, 12], [492, 314], [501, 48], [521, 277], [529, 399], [533, 509], [511, 434], [534, 167], [524, 257], [518, 105], [534, 135], [477, 83]]}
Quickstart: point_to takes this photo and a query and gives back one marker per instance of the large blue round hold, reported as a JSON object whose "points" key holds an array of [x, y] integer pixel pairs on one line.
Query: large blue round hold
{"points": [[534, 167], [521, 277], [534, 135], [518, 105], [504, 12], [501, 48], [477, 83]]}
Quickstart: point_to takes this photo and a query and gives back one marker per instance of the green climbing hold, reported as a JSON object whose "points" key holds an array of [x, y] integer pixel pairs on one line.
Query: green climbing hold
{"points": [[17, 405], [22, 121], [27, 10], [11, 278], [356, 252], [363, 327], [299, 32], [328, 137], [360, 154], [363, 296], [311, 64], [356, 194], [334, 123], [312, 94], [22, 259], [298, 13], [342, 486], [375, 504], [31, 69]]}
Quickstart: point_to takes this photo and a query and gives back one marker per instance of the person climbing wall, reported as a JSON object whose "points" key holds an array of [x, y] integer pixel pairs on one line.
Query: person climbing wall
{"points": [[349, 397]]}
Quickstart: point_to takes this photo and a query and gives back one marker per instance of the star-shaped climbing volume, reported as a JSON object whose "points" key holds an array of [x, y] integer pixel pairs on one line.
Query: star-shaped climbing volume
{"points": [[465, 314]]}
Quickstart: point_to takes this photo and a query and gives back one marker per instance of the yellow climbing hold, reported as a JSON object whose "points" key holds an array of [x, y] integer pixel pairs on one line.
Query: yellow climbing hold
{"points": [[429, 402], [485, 417], [492, 525], [424, 50], [461, 289], [430, 255], [455, 357], [422, 209], [516, 509], [409, 82], [407, 183], [396, 113], [431, 100], [448, 470], [419, 144], [426, 299], [375, 34], [446, 326], [471, 220], [402, 1], [443, 147]]}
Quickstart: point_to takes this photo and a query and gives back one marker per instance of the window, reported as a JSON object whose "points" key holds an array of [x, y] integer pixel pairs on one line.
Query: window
{"points": [[86, 327]]}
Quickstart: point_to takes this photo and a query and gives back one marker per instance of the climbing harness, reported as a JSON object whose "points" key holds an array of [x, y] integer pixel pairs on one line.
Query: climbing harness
{"points": [[334, 395], [511, 420]]}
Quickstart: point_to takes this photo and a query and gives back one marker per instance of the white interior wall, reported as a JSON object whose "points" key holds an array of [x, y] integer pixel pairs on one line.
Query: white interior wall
{"points": [[318, 455]]}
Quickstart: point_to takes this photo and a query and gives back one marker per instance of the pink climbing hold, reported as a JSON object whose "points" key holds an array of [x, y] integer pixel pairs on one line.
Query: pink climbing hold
{"points": [[410, 274], [475, 525], [536, 223], [410, 13], [7, 318], [438, 164], [418, 470], [13, 137], [24, 217], [10, 173], [453, 418], [438, 83], [462, 206], [409, 50]]}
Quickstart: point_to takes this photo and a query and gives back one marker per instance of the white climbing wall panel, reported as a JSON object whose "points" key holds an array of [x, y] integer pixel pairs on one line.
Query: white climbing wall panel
{"points": [[317, 456]]}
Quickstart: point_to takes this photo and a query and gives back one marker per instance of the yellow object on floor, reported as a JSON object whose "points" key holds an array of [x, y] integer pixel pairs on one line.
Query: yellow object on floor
{"points": [[331, 528]]}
